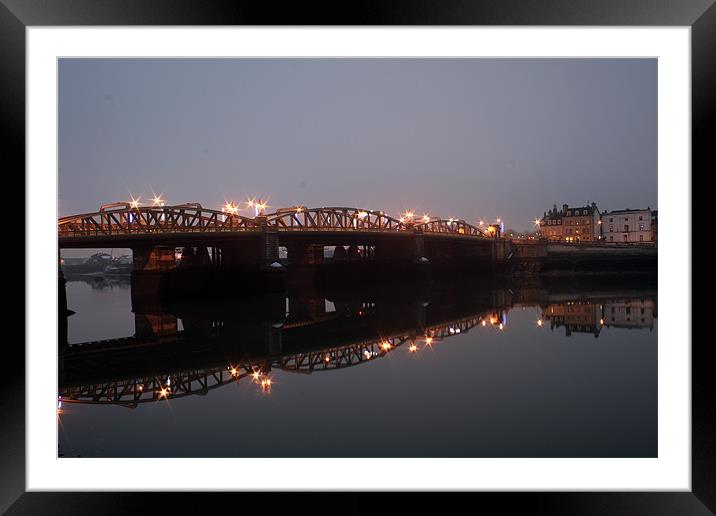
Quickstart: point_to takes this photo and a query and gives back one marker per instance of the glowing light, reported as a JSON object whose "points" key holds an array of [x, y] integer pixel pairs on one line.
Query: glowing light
{"points": [[157, 200], [367, 354], [539, 322], [601, 321], [256, 375], [164, 392], [502, 326], [327, 358], [537, 222], [134, 203], [483, 322], [231, 207], [413, 348], [362, 215], [429, 341], [401, 219], [408, 215], [266, 384], [426, 218], [498, 220], [482, 222], [233, 371], [386, 345]]}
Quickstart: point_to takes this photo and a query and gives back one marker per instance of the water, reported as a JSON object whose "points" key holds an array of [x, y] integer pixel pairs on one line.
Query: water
{"points": [[572, 373]]}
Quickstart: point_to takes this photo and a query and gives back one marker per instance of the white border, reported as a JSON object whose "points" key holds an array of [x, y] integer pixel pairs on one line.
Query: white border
{"points": [[670, 471]]}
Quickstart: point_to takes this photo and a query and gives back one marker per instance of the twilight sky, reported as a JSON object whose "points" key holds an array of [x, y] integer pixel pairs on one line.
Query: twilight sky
{"points": [[467, 138]]}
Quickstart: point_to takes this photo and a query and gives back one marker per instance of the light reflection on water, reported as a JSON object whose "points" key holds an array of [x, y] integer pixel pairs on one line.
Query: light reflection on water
{"points": [[503, 372]]}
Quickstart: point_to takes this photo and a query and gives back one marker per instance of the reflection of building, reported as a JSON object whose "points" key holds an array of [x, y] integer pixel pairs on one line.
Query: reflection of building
{"points": [[580, 224], [575, 316], [629, 225], [630, 313]]}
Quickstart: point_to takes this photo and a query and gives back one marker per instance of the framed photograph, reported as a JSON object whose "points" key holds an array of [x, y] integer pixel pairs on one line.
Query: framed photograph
{"points": [[230, 209]]}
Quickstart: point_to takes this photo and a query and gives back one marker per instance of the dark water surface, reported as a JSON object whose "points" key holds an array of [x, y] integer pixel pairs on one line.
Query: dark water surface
{"points": [[572, 373]]}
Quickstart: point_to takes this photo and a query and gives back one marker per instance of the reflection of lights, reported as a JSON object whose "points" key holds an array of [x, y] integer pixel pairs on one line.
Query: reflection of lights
{"points": [[413, 348]]}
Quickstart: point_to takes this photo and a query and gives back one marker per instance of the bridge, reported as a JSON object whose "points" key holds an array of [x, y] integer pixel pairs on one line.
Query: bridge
{"points": [[223, 238]]}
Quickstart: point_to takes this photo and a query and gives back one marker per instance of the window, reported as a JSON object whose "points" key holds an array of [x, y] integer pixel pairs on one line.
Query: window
{"points": [[626, 227], [611, 228], [641, 226], [641, 238], [626, 238], [611, 219], [611, 239]]}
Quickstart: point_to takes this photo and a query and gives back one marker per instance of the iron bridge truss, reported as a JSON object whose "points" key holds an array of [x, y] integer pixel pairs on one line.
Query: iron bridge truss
{"points": [[125, 219]]}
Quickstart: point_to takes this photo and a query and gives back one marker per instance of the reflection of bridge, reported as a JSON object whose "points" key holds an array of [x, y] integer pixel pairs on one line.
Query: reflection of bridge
{"points": [[162, 361], [225, 238], [130, 392], [182, 350]]}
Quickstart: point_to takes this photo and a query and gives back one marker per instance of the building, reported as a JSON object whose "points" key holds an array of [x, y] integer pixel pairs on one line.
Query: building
{"points": [[550, 225], [581, 224], [629, 225], [571, 224]]}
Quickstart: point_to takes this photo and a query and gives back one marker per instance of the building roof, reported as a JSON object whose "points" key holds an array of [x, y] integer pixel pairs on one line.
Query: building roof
{"points": [[628, 210]]}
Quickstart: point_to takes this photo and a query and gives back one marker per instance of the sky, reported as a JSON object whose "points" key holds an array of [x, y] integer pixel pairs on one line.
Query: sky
{"points": [[466, 138]]}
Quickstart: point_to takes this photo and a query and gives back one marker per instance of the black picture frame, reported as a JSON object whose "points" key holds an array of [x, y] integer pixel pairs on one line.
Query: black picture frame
{"points": [[17, 15]]}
